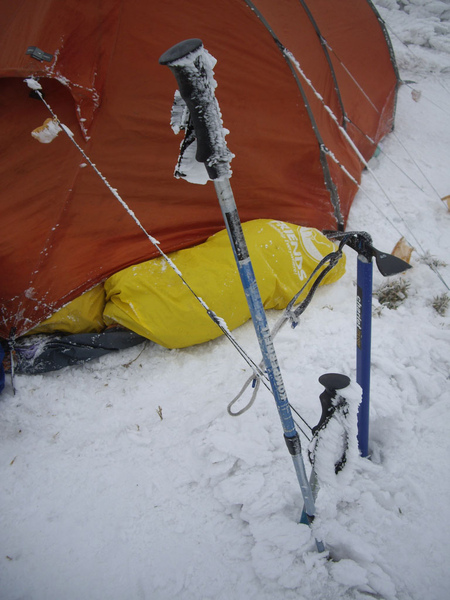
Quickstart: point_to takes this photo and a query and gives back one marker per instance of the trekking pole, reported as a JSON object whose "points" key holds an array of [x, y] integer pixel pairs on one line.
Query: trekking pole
{"points": [[192, 67]]}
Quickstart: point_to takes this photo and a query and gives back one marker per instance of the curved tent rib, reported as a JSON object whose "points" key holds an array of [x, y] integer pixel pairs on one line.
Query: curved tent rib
{"points": [[331, 187], [328, 58], [62, 232], [365, 68]]}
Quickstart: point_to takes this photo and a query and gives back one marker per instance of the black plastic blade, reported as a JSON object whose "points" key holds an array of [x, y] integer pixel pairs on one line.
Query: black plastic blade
{"points": [[388, 264]]}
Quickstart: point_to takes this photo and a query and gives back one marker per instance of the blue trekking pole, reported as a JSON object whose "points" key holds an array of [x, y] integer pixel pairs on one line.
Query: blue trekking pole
{"points": [[192, 67]]}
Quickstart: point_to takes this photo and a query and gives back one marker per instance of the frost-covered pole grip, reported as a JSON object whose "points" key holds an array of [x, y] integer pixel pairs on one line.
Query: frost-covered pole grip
{"points": [[192, 67]]}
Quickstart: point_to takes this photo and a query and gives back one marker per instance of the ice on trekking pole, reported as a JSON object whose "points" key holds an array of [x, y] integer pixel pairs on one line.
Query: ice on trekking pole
{"points": [[335, 444], [179, 118], [204, 130], [187, 167]]}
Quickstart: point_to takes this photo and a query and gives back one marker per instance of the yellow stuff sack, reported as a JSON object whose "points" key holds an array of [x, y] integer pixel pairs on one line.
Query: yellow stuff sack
{"points": [[82, 315], [151, 300]]}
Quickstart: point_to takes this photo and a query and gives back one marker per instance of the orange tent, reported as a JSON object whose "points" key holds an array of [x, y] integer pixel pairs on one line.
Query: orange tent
{"points": [[283, 67]]}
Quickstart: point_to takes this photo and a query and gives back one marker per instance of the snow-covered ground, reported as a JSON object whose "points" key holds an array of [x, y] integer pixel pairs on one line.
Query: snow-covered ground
{"points": [[126, 479]]}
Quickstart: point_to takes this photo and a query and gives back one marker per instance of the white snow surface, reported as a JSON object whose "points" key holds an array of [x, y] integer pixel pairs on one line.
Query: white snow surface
{"points": [[126, 478]]}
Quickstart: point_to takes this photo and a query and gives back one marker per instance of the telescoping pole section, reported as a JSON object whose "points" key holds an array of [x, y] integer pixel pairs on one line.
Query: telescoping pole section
{"points": [[191, 66]]}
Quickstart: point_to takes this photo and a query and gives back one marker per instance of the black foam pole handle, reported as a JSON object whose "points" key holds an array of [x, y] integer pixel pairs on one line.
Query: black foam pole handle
{"points": [[192, 68], [331, 382], [388, 264]]}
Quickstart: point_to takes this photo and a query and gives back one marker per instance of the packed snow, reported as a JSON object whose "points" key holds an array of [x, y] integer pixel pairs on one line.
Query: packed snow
{"points": [[126, 478]]}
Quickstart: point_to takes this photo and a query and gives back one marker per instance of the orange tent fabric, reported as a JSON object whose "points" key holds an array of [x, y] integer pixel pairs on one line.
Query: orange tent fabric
{"points": [[62, 229]]}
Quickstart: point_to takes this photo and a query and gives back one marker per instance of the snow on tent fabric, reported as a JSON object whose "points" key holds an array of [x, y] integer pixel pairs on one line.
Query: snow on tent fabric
{"points": [[64, 232], [151, 300]]}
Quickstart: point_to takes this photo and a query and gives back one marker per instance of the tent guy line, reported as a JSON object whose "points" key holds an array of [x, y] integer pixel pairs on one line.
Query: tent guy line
{"points": [[416, 57], [291, 59], [416, 164], [280, 165], [258, 373], [293, 316], [369, 169], [326, 48], [423, 256], [323, 150], [355, 81]]}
